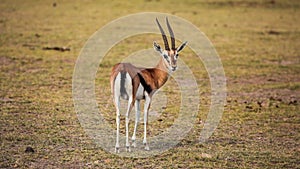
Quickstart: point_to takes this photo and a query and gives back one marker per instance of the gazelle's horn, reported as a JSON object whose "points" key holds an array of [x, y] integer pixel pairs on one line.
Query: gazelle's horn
{"points": [[171, 34], [163, 36]]}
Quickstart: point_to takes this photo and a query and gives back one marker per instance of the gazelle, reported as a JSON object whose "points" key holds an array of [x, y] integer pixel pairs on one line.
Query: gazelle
{"points": [[136, 83]]}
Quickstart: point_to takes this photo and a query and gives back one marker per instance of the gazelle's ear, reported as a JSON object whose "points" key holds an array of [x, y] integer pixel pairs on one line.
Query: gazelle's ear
{"points": [[181, 46], [157, 47]]}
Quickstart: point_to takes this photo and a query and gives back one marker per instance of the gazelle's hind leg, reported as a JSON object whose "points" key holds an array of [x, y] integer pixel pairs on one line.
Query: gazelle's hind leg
{"points": [[129, 108], [117, 103], [137, 118], [127, 85], [116, 91]]}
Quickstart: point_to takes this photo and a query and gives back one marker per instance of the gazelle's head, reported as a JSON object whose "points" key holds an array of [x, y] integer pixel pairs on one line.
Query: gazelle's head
{"points": [[169, 56]]}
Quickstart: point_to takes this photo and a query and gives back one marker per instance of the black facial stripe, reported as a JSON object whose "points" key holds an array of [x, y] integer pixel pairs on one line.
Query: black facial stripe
{"points": [[167, 58]]}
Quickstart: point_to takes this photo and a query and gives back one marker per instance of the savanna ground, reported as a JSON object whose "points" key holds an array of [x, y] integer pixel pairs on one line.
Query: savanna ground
{"points": [[258, 42]]}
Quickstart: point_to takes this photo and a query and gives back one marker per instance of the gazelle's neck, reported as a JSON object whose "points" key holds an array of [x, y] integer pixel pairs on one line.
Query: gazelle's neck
{"points": [[162, 73], [162, 66]]}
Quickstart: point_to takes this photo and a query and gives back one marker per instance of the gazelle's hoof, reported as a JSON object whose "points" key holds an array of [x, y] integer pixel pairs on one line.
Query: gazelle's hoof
{"points": [[147, 147], [117, 150], [133, 143], [128, 149]]}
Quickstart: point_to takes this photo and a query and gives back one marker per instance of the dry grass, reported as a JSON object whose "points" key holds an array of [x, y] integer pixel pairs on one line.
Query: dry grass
{"points": [[258, 42]]}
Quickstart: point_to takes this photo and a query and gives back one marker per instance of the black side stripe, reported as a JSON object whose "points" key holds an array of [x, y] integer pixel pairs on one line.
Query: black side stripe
{"points": [[145, 85]]}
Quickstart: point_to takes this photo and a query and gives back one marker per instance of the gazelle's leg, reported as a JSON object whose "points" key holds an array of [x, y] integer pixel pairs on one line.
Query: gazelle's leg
{"points": [[129, 108], [146, 109], [117, 105], [137, 118]]}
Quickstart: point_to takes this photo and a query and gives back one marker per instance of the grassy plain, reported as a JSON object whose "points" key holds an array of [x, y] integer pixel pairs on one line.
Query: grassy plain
{"points": [[258, 42]]}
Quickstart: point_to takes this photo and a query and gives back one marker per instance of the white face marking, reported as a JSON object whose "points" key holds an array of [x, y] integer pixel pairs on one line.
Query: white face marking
{"points": [[176, 56], [170, 60]]}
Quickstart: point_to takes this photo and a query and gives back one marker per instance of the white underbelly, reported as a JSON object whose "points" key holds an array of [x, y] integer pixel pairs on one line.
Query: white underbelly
{"points": [[140, 92]]}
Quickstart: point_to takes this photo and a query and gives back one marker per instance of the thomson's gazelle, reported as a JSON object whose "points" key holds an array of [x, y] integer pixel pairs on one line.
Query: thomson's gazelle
{"points": [[136, 83]]}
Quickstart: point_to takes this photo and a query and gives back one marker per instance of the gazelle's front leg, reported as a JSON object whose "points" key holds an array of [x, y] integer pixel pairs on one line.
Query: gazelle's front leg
{"points": [[146, 110], [137, 118]]}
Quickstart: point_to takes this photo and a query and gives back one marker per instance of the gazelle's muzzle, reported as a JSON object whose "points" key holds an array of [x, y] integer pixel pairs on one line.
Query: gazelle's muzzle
{"points": [[174, 68]]}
